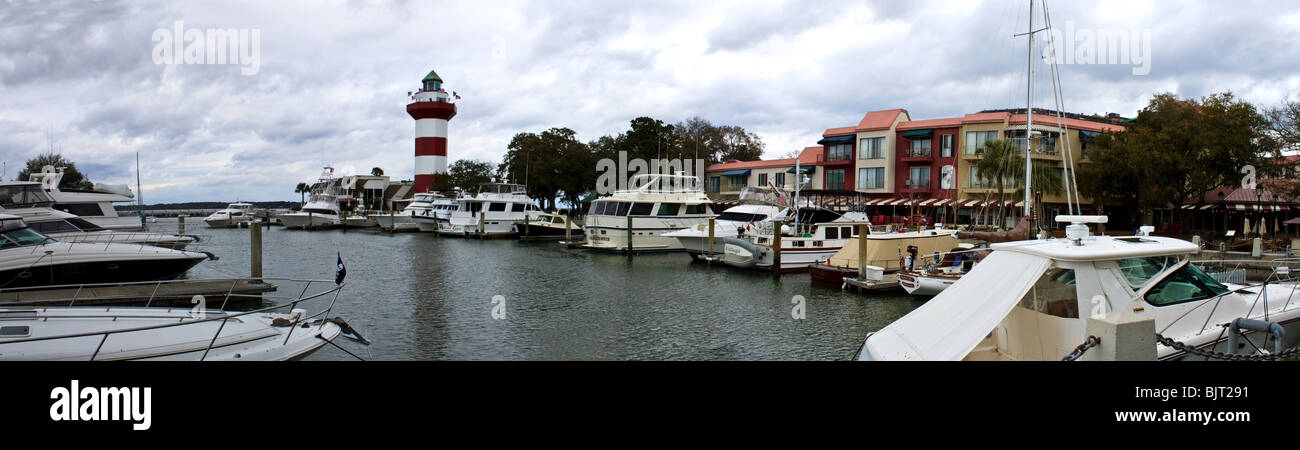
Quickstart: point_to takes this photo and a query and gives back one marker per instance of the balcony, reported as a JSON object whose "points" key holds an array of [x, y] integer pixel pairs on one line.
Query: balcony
{"points": [[917, 155], [922, 185]]}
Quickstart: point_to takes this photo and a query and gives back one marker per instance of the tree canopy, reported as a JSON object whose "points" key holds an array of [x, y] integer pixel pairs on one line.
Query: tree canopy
{"points": [[464, 174], [552, 164], [72, 178]]}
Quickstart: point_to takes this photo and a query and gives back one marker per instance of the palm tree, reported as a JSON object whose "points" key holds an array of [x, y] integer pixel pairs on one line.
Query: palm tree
{"points": [[999, 161], [303, 189], [1047, 181]]}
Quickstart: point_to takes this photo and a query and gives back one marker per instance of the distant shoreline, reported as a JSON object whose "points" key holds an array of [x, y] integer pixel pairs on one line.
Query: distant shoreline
{"points": [[205, 205]]}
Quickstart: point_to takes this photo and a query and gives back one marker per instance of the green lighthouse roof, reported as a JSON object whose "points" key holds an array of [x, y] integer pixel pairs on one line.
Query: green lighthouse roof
{"points": [[432, 76]]}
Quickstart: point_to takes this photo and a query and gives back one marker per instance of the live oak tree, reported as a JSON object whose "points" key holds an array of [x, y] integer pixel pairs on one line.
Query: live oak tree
{"points": [[72, 178], [552, 164], [464, 174], [1174, 151]]}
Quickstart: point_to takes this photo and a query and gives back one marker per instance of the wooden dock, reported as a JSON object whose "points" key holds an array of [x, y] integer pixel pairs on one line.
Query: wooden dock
{"points": [[887, 283], [240, 291]]}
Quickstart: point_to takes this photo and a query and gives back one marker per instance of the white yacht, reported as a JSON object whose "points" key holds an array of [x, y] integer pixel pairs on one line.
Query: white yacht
{"points": [[234, 215], [75, 333], [757, 204], [809, 236], [322, 208], [29, 258], [403, 221], [656, 204], [94, 205], [29, 201], [1030, 300], [549, 225], [492, 212], [437, 218]]}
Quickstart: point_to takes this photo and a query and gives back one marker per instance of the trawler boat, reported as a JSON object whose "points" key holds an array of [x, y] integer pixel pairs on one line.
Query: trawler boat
{"points": [[492, 212], [27, 200], [235, 215], [437, 218], [284, 331], [656, 204], [884, 250], [322, 209], [94, 205], [1030, 300], [757, 204], [404, 220], [548, 225], [814, 236], [932, 279], [29, 258]]}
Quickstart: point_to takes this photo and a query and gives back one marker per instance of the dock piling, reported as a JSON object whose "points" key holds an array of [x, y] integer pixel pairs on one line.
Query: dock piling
{"points": [[709, 251], [863, 231], [776, 248], [180, 228], [568, 229], [255, 249], [629, 236]]}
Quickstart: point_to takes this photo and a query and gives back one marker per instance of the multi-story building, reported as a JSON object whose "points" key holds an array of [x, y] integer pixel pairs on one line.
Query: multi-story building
{"points": [[1056, 142], [927, 160], [723, 181]]}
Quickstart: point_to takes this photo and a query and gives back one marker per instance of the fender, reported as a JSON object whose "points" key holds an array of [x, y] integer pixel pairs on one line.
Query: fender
{"points": [[745, 244]]}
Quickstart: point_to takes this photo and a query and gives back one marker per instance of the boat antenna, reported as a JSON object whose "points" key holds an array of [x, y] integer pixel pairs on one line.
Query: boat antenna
{"points": [[139, 193]]}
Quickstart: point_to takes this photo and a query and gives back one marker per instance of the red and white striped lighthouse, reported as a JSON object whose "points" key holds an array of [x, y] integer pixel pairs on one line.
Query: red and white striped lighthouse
{"points": [[431, 111]]}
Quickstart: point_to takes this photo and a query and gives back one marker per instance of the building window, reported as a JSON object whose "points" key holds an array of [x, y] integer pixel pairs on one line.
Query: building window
{"points": [[918, 177], [715, 184], [1009, 181], [945, 145], [948, 177], [835, 179], [839, 152], [780, 179], [920, 148], [871, 178], [762, 179], [871, 148], [976, 139]]}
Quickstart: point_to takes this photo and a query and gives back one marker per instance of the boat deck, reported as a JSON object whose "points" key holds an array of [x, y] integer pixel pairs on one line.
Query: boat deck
{"points": [[887, 283], [172, 293]]}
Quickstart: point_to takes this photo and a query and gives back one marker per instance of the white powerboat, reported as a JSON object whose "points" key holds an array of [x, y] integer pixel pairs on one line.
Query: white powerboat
{"points": [[492, 212], [404, 220], [234, 215], [281, 332], [809, 236], [548, 225], [756, 205], [437, 217], [1030, 300], [27, 200], [94, 205], [29, 258], [322, 208], [931, 279], [656, 204]]}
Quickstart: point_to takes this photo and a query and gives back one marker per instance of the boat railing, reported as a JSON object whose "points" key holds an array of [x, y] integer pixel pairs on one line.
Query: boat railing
{"points": [[203, 316], [1236, 270]]}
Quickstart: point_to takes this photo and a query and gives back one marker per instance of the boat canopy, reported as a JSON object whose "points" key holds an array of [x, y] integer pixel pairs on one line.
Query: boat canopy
{"points": [[947, 330]]}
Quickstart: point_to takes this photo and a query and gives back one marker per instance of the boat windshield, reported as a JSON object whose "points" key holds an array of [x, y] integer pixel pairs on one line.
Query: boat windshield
{"points": [[741, 217], [24, 195], [1184, 285], [21, 237]]}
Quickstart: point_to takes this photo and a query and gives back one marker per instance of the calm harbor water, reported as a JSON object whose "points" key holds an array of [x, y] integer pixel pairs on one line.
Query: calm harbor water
{"points": [[418, 296]]}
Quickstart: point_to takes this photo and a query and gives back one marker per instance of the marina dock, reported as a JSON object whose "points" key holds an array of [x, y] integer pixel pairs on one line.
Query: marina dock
{"points": [[887, 283]]}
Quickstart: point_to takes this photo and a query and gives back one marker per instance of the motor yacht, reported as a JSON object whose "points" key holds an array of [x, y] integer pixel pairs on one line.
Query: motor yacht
{"points": [[234, 215], [322, 208], [1031, 300], [757, 204], [492, 212], [437, 217], [94, 205], [548, 225], [654, 205], [404, 220], [29, 258], [808, 235], [30, 202]]}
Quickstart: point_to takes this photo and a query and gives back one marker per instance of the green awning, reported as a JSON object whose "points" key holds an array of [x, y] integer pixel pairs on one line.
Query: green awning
{"points": [[918, 133], [805, 169], [742, 172]]}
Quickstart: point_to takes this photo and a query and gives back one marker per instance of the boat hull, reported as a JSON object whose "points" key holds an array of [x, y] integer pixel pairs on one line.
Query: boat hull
{"points": [[97, 272], [314, 221], [828, 275], [918, 284]]}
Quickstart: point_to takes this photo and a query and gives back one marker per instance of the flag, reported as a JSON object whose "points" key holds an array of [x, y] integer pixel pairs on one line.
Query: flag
{"points": [[341, 272], [454, 94]]}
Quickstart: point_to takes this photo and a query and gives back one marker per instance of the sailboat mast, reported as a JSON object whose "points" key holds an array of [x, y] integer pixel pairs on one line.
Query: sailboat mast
{"points": [[1029, 116]]}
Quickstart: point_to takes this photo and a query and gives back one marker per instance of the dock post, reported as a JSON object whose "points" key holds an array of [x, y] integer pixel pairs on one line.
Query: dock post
{"points": [[482, 223], [568, 229], [1125, 336], [255, 249], [309, 221], [709, 251], [180, 228], [1196, 240], [392, 221], [629, 235], [862, 251], [776, 248], [1256, 248], [527, 219]]}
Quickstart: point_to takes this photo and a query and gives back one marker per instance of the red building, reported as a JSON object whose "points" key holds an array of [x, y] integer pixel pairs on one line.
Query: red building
{"points": [[927, 152], [837, 159]]}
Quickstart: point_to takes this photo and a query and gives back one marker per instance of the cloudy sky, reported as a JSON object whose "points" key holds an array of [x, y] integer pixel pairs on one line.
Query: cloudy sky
{"points": [[332, 78]]}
